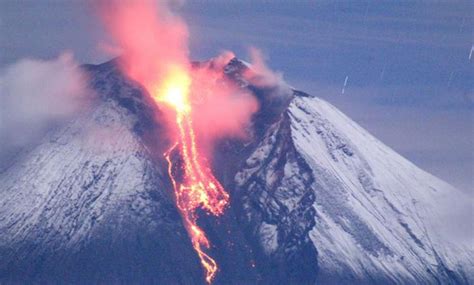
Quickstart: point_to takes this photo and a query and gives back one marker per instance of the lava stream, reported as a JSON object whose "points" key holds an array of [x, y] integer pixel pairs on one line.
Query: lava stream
{"points": [[198, 188]]}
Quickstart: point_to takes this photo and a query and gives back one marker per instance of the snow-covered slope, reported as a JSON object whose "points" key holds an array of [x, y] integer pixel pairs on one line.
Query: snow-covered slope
{"points": [[371, 215], [88, 205], [315, 199], [377, 213]]}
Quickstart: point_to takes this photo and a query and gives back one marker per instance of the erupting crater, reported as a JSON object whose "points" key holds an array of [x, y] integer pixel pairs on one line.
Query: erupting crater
{"points": [[199, 107]]}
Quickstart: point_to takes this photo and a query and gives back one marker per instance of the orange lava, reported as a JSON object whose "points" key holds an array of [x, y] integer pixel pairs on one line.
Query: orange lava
{"points": [[198, 188]]}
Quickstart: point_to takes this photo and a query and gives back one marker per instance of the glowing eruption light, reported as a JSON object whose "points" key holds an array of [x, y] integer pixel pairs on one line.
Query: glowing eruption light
{"points": [[154, 44], [199, 187]]}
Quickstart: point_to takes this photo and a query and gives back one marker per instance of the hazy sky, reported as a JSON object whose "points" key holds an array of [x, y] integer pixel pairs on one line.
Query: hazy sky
{"points": [[407, 64]]}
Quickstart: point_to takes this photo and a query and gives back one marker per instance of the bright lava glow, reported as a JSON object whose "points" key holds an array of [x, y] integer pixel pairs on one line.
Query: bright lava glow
{"points": [[175, 91], [197, 187]]}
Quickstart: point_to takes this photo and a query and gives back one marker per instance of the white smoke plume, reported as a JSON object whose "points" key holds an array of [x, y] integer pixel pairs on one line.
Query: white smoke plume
{"points": [[36, 95], [262, 76]]}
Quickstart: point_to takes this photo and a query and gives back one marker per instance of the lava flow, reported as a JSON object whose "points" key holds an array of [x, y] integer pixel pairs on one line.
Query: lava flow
{"points": [[196, 104], [198, 187]]}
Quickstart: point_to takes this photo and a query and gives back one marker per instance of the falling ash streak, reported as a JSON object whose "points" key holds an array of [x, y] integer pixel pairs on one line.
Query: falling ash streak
{"points": [[200, 189], [451, 75], [382, 74], [345, 84], [462, 24]]}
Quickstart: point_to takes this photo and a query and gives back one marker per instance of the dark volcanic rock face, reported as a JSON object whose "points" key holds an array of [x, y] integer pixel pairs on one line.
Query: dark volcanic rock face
{"points": [[314, 199], [275, 200]]}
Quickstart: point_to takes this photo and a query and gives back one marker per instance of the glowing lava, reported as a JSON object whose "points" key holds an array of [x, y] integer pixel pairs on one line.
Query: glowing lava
{"points": [[197, 188], [154, 45]]}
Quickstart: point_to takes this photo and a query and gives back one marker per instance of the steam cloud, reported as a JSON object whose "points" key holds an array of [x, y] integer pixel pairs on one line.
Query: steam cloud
{"points": [[36, 95], [262, 76], [222, 109]]}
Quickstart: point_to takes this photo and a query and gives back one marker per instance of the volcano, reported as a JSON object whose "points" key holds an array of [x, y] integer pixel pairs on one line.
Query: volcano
{"points": [[314, 199]]}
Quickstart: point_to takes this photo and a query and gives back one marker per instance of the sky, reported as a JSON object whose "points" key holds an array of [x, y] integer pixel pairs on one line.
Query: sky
{"points": [[406, 65]]}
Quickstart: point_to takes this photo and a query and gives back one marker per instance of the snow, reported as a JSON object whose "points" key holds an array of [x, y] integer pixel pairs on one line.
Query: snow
{"points": [[89, 205], [320, 195], [269, 237], [89, 164], [377, 211]]}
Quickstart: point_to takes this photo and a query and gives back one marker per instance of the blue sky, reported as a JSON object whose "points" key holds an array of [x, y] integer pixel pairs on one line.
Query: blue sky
{"points": [[409, 76]]}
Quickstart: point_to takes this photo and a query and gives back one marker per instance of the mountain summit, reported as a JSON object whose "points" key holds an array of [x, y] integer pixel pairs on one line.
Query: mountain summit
{"points": [[315, 199]]}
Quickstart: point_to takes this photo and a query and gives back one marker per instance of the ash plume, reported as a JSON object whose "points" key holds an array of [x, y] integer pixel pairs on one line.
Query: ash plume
{"points": [[260, 75], [197, 104], [153, 41]]}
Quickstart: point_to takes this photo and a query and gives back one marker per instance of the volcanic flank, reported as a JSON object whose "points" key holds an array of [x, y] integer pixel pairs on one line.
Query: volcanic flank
{"points": [[216, 172], [313, 197]]}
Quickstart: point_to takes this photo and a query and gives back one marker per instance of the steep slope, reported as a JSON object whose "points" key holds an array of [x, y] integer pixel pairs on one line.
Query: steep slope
{"points": [[377, 213], [88, 205], [372, 216]]}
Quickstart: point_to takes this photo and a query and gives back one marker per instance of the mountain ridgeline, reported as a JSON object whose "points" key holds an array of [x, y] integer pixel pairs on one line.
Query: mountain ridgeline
{"points": [[315, 199]]}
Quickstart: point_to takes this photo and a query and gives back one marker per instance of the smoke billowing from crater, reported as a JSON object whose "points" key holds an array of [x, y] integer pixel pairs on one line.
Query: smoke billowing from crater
{"points": [[154, 42], [260, 75], [198, 103]]}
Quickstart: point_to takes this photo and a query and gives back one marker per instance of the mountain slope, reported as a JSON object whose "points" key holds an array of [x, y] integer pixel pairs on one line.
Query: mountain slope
{"points": [[314, 199], [372, 216], [88, 205], [377, 214]]}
